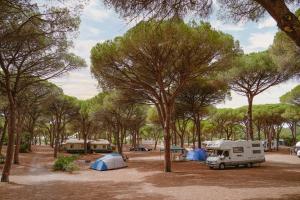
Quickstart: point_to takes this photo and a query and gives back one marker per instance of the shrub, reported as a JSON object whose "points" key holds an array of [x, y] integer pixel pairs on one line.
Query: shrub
{"points": [[65, 163], [72, 167], [24, 148]]}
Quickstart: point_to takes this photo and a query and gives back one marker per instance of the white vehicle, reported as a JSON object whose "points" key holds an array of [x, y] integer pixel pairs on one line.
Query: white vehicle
{"points": [[297, 149], [234, 153]]}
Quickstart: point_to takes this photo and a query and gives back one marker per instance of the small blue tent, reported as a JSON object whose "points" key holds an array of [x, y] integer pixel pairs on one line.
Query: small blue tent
{"points": [[109, 161], [197, 154]]}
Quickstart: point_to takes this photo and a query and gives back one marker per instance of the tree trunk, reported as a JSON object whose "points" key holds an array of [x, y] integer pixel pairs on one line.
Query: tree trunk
{"points": [[249, 117], [167, 137], [56, 134], [258, 133], [3, 134], [194, 137], [182, 141], [85, 143], [11, 138], [18, 139], [198, 129], [286, 20]]}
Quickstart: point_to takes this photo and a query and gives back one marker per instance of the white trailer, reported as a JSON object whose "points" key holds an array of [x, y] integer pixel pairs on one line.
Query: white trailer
{"points": [[225, 153]]}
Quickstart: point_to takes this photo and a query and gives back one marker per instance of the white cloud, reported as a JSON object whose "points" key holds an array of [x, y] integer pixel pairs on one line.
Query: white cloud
{"points": [[94, 11], [92, 30], [83, 48], [228, 27], [267, 23], [78, 83], [259, 41]]}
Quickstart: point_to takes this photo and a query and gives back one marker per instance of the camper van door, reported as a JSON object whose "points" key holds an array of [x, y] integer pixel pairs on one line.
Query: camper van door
{"points": [[238, 153]]}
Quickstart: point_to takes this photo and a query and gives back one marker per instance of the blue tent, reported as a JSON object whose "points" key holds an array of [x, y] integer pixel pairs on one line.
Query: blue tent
{"points": [[197, 154], [109, 161]]}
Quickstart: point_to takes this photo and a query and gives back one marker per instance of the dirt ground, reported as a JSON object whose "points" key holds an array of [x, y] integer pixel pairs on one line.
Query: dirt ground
{"points": [[278, 178]]}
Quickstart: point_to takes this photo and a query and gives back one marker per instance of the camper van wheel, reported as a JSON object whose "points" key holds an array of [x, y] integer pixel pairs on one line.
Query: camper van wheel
{"points": [[222, 166], [250, 165]]}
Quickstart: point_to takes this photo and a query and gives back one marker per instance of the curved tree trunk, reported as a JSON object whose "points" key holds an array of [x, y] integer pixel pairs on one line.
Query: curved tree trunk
{"points": [[286, 20]]}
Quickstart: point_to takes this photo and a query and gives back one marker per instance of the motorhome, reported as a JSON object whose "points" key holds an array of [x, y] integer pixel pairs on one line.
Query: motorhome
{"points": [[224, 153], [297, 149]]}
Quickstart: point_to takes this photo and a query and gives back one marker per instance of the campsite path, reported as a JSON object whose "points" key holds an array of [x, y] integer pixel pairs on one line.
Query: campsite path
{"points": [[281, 158]]}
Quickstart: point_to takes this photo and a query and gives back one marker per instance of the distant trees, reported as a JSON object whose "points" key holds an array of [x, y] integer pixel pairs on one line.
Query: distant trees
{"points": [[155, 126], [237, 10], [63, 109], [142, 62], [253, 74], [197, 96], [120, 118], [292, 113]]}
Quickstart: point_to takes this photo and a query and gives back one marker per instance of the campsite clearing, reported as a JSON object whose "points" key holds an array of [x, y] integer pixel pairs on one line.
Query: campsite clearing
{"points": [[278, 178]]}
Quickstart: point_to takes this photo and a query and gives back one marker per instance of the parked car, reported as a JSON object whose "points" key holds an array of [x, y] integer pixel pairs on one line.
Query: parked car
{"points": [[140, 149]]}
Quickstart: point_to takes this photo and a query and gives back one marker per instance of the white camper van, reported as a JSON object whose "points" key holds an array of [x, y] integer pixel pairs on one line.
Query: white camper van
{"points": [[225, 153]]}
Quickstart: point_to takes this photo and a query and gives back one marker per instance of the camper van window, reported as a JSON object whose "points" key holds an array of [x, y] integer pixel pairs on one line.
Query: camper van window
{"points": [[256, 145], [238, 149], [217, 153], [256, 151], [226, 154]]}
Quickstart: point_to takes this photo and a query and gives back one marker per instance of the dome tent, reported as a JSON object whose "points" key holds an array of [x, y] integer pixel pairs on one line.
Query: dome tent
{"points": [[197, 154], [109, 161]]}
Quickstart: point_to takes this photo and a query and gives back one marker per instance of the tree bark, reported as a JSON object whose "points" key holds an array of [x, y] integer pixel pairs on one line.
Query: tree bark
{"points": [[3, 134], [286, 20], [18, 139], [11, 138], [167, 137], [249, 117], [197, 122]]}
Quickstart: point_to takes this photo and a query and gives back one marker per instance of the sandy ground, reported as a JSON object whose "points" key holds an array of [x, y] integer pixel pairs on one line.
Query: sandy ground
{"points": [[278, 178]]}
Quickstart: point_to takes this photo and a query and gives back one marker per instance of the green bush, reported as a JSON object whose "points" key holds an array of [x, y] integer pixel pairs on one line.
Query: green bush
{"points": [[24, 148], [65, 163], [72, 167]]}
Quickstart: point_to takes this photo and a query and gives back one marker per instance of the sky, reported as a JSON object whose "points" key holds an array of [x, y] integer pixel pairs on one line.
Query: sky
{"points": [[99, 23]]}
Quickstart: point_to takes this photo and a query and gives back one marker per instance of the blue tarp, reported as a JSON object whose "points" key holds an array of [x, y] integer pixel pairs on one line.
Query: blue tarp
{"points": [[197, 154]]}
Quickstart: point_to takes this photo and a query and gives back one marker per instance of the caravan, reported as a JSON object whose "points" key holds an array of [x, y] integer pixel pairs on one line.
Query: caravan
{"points": [[225, 153]]}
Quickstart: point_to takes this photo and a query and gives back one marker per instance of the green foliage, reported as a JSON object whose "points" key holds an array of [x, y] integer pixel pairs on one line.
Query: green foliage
{"points": [[286, 136], [285, 53], [24, 148], [254, 73], [297, 13], [65, 163], [147, 49], [292, 97]]}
